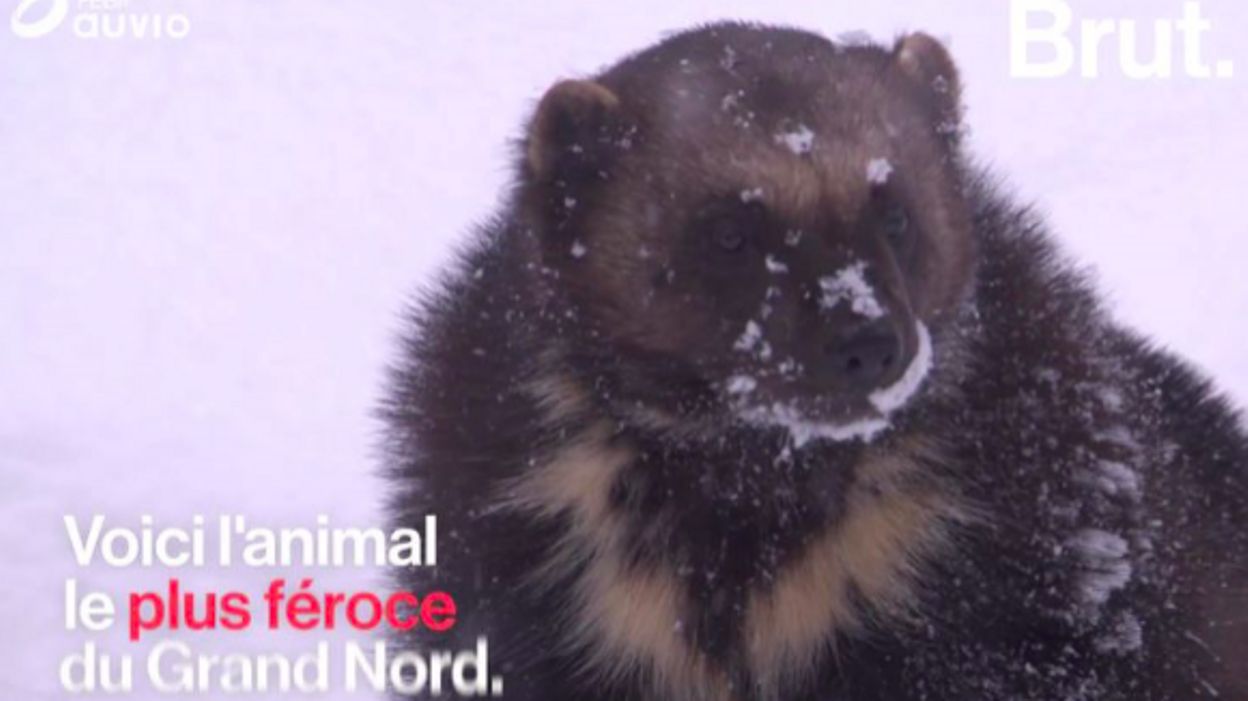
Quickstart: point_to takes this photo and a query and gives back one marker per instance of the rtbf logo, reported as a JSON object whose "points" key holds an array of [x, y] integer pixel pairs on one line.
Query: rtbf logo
{"points": [[1047, 24], [96, 19], [28, 28]]}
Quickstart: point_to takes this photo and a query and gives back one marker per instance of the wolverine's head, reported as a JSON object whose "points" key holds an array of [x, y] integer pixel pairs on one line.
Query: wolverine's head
{"points": [[755, 224]]}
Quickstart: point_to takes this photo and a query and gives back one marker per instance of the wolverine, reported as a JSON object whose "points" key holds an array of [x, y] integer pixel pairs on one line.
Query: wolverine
{"points": [[760, 388]]}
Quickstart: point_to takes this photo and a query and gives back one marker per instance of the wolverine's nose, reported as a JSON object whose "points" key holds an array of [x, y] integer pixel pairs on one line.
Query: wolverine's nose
{"points": [[866, 357]]}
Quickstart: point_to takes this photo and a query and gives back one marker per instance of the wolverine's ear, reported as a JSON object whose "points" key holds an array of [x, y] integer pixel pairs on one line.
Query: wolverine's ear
{"points": [[926, 61], [576, 124]]}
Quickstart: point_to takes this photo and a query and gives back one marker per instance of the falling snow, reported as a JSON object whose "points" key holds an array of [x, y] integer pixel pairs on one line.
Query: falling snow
{"points": [[752, 195], [879, 170], [741, 384], [1106, 567], [850, 285], [775, 267], [800, 140]]}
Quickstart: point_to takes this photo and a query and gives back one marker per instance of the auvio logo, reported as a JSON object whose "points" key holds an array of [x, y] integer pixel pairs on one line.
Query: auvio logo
{"points": [[96, 19], [27, 27]]}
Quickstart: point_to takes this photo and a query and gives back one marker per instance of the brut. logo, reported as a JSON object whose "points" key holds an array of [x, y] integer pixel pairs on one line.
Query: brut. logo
{"points": [[27, 28], [1047, 25]]}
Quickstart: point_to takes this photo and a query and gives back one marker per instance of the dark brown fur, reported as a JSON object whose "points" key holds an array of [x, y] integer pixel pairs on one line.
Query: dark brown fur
{"points": [[622, 166], [1056, 514]]}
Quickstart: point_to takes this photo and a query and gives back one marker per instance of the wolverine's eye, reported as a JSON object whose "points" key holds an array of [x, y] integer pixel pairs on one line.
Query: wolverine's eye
{"points": [[729, 224], [897, 225], [728, 235]]}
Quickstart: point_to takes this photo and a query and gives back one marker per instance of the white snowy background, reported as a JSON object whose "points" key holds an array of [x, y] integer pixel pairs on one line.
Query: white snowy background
{"points": [[205, 244]]}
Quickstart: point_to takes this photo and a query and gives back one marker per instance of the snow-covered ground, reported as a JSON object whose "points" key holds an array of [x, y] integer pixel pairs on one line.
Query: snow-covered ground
{"points": [[205, 243]]}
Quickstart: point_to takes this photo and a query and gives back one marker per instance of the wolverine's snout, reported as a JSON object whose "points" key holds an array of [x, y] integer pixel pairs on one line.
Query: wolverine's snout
{"points": [[867, 357]]}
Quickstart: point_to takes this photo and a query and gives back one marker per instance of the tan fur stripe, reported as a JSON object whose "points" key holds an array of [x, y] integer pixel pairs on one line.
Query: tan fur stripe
{"points": [[627, 620], [557, 394], [636, 619], [876, 549]]}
